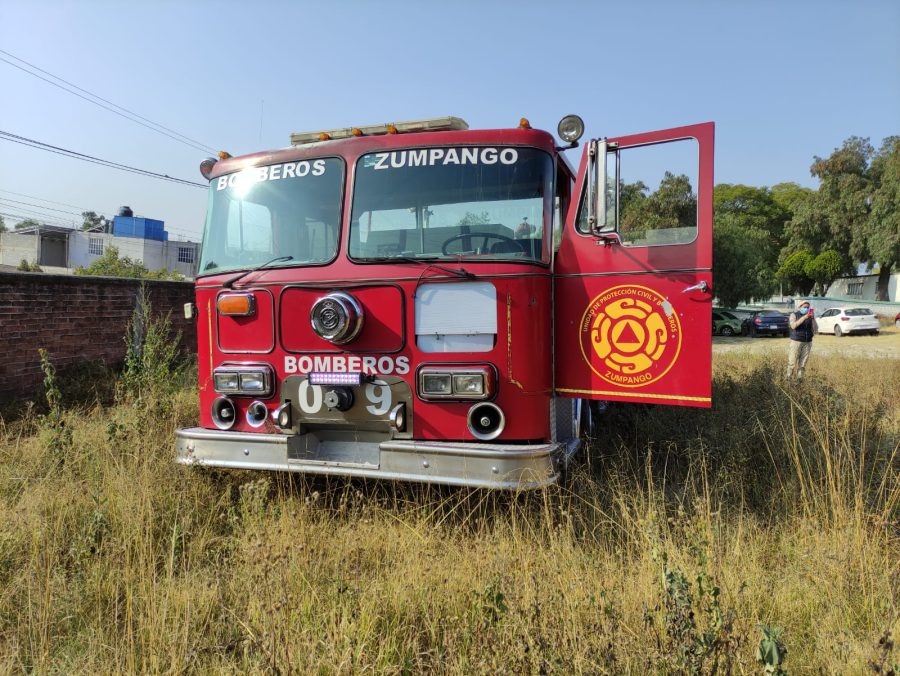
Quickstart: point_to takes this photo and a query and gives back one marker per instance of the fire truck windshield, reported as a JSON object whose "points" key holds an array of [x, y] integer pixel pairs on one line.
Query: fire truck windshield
{"points": [[449, 202], [279, 210]]}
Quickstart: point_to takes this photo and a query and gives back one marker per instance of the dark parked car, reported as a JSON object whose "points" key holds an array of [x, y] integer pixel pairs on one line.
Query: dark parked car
{"points": [[768, 323]]}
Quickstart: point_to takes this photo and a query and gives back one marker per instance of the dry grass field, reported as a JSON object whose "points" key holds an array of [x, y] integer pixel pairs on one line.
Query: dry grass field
{"points": [[886, 345], [681, 537]]}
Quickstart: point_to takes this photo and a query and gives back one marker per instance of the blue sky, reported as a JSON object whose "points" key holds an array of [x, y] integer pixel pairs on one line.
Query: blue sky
{"points": [[783, 81]]}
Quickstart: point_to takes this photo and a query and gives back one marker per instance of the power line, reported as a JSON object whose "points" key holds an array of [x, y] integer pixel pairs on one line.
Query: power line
{"points": [[43, 199], [6, 200], [33, 211], [25, 217], [95, 160], [181, 138], [82, 208], [182, 232]]}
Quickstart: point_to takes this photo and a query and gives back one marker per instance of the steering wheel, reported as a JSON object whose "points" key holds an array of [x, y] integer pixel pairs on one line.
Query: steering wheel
{"points": [[486, 237]]}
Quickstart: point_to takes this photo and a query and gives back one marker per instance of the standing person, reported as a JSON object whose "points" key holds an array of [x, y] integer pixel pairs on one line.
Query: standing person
{"points": [[803, 328]]}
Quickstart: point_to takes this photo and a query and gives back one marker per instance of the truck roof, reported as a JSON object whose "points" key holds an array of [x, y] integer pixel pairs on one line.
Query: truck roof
{"points": [[355, 146]]}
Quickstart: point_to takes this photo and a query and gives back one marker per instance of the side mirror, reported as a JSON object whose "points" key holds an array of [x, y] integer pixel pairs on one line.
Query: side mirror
{"points": [[597, 186]]}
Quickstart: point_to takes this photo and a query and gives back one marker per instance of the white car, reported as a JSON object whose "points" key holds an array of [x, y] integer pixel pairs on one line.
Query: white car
{"points": [[841, 321]]}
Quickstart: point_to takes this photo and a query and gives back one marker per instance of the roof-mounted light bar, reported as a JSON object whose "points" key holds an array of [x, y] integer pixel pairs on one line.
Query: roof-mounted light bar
{"points": [[433, 124]]}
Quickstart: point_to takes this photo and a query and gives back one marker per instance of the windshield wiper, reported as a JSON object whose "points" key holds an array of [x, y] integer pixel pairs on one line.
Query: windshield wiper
{"points": [[230, 283], [423, 260]]}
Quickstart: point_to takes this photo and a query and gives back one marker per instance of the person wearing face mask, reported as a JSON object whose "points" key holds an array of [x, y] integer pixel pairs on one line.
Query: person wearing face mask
{"points": [[803, 328]]}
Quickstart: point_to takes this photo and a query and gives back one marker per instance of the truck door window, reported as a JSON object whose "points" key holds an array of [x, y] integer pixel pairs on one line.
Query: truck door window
{"points": [[658, 194], [560, 202], [651, 195]]}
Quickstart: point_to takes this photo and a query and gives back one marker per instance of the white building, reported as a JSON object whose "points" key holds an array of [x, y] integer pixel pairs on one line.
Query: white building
{"points": [[864, 287], [61, 250]]}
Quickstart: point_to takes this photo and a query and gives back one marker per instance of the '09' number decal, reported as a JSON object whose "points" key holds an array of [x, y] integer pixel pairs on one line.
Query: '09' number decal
{"points": [[378, 395]]}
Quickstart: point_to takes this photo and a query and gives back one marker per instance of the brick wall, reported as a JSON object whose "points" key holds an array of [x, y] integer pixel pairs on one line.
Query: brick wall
{"points": [[75, 319]]}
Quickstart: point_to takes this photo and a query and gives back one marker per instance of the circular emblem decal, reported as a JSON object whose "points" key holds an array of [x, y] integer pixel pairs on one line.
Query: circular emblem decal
{"points": [[630, 335], [329, 316], [337, 317]]}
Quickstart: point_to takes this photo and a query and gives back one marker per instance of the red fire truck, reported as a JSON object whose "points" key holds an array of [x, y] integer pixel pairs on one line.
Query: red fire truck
{"points": [[420, 301]]}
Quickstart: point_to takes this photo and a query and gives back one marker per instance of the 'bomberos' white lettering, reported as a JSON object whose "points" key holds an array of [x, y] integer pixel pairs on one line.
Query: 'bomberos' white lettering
{"points": [[343, 363], [272, 172], [430, 157]]}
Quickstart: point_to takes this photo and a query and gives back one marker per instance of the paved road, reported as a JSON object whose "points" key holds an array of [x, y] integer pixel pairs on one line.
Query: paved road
{"points": [[886, 345]]}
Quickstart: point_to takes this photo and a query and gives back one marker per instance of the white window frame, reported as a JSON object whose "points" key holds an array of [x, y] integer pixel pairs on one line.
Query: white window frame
{"points": [[95, 246], [186, 254]]}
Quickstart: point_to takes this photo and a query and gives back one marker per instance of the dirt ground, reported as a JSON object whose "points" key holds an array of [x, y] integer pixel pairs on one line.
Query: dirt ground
{"points": [[886, 345]]}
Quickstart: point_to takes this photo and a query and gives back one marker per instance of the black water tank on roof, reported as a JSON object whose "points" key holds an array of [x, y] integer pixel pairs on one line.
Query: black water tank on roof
{"points": [[126, 211]]}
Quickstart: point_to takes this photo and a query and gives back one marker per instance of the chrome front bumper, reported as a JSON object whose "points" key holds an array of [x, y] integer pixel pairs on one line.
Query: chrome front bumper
{"points": [[504, 466]]}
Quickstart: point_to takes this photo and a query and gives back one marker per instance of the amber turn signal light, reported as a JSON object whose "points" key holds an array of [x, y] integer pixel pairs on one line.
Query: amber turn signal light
{"points": [[236, 304]]}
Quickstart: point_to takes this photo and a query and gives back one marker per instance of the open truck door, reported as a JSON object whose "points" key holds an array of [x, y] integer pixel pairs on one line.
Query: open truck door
{"points": [[633, 275]]}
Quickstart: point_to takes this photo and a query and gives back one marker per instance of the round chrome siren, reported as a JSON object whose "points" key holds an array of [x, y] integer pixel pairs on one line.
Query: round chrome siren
{"points": [[570, 128], [223, 413], [337, 317], [486, 421], [257, 414]]}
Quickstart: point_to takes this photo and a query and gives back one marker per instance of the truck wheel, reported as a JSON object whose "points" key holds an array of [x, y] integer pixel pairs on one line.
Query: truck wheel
{"points": [[837, 331]]}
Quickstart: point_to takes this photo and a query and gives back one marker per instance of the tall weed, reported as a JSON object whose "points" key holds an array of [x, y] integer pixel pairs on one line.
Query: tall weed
{"points": [[680, 533]]}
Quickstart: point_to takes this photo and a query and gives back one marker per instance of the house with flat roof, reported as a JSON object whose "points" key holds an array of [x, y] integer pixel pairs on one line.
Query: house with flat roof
{"points": [[60, 250]]}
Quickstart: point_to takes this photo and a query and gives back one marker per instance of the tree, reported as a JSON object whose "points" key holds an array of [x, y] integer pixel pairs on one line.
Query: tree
{"points": [[27, 223], [2, 225], [824, 269], [471, 218], [111, 265], [855, 210], [672, 205], [882, 231], [791, 195], [747, 238], [756, 207], [742, 262], [793, 275], [91, 220]]}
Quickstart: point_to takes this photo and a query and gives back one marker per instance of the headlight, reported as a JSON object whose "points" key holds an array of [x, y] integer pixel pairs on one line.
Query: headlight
{"points": [[436, 383], [570, 128], [456, 382], [227, 382], [253, 382], [469, 384], [243, 379]]}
